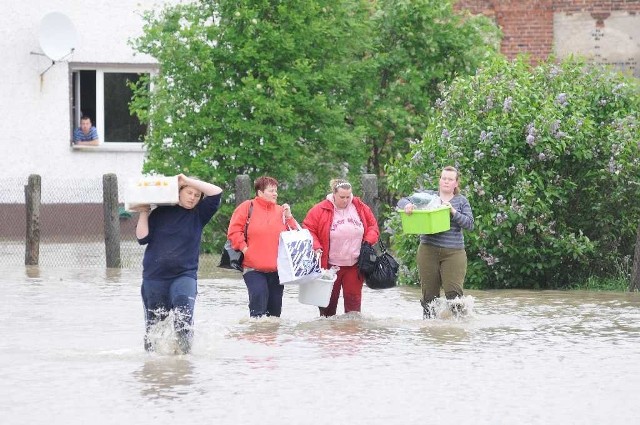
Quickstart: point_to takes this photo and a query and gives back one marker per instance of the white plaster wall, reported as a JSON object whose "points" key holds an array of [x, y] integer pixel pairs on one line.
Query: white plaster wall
{"points": [[34, 108], [616, 42]]}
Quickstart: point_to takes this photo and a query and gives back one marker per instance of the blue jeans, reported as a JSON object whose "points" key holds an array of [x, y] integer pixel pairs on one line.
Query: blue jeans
{"points": [[265, 293], [159, 297]]}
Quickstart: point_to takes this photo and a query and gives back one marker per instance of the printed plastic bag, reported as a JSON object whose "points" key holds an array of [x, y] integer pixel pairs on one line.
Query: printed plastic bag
{"points": [[297, 262]]}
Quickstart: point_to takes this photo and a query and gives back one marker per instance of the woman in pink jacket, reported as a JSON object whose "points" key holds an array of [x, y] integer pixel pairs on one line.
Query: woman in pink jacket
{"points": [[339, 224]]}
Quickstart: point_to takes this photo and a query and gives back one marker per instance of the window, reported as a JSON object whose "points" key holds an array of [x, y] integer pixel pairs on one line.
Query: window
{"points": [[103, 94]]}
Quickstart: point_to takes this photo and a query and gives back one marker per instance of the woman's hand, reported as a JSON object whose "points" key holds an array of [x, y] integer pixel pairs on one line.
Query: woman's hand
{"points": [[452, 210], [409, 208], [181, 180], [286, 211]]}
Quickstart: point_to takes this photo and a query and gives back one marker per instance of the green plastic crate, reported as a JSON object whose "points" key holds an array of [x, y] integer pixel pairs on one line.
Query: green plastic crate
{"points": [[426, 221]]}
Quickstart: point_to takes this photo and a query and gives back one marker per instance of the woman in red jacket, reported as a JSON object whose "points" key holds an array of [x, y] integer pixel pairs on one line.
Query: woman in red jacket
{"points": [[267, 220], [339, 224]]}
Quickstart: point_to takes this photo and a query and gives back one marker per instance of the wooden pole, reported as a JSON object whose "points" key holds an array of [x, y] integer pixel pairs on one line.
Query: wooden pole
{"points": [[111, 220], [243, 188], [32, 194], [370, 193], [634, 284]]}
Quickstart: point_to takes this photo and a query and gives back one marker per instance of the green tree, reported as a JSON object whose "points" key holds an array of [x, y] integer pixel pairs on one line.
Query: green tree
{"points": [[417, 45], [254, 87], [303, 90], [549, 158]]}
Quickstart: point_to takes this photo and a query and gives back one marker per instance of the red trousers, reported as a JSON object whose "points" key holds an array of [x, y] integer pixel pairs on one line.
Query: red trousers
{"points": [[350, 280]]}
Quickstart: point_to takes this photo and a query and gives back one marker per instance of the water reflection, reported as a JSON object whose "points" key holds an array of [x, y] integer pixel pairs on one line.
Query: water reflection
{"points": [[113, 275], [32, 272], [263, 330], [166, 377]]}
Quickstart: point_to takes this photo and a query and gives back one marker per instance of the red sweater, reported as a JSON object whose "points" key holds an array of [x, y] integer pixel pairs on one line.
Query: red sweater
{"points": [[263, 234], [320, 217]]}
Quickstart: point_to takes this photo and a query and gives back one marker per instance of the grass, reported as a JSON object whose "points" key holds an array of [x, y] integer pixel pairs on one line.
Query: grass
{"points": [[613, 284], [618, 282]]}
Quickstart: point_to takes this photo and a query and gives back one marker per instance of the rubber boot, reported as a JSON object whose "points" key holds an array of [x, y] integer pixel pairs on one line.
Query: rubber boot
{"points": [[147, 344], [184, 341], [455, 304], [427, 309]]}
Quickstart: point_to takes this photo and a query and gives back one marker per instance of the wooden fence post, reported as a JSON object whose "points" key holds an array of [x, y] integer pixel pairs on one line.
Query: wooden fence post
{"points": [[370, 193], [111, 220], [32, 195], [243, 188], [634, 284]]}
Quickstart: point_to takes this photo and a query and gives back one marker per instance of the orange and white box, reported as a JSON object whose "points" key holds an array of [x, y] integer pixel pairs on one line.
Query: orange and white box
{"points": [[151, 190]]}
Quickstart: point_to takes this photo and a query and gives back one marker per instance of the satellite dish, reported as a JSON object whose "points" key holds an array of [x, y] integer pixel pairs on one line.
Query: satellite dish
{"points": [[57, 36]]}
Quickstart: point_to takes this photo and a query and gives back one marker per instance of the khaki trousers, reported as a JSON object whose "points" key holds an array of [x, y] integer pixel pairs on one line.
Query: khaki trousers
{"points": [[441, 267]]}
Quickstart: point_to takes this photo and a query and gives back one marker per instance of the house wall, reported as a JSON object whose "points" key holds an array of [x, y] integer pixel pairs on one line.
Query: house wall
{"points": [[35, 112], [605, 31]]}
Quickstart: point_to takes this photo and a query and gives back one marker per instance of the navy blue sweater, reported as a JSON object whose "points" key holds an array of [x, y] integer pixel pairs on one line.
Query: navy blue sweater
{"points": [[173, 242]]}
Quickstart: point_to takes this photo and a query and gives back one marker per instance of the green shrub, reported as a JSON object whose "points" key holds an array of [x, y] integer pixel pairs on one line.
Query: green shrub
{"points": [[549, 161]]}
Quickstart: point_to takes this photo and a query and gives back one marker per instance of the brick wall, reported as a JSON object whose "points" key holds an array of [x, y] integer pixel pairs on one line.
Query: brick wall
{"points": [[527, 25]]}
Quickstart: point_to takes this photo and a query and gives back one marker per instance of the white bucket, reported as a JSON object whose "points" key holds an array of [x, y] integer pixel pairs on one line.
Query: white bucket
{"points": [[317, 292]]}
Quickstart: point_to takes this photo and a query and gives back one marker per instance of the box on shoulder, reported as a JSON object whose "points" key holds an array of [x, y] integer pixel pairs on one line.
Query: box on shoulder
{"points": [[152, 190]]}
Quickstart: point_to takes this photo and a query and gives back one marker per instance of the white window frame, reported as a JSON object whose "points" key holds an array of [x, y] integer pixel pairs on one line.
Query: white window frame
{"points": [[100, 70]]}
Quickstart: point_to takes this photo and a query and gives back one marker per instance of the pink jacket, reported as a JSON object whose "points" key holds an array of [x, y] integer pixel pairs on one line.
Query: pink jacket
{"points": [[319, 220]]}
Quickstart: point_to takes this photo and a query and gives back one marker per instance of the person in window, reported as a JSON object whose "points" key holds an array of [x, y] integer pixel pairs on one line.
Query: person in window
{"points": [[170, 264], [86, 134], [441, 257], [339, 224], [267, 220]]}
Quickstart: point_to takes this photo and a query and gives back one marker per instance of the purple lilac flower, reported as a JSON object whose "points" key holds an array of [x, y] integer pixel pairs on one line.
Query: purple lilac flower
{"points": [[500, 218], [515, 206], [613, 167], [561, 99], [506, 106], [477, 188], [531, 140], [520, 229], [489, 104]]}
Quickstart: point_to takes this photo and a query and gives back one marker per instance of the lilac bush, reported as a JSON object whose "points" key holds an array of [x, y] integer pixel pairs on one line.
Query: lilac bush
{"points": [[563, 156]]}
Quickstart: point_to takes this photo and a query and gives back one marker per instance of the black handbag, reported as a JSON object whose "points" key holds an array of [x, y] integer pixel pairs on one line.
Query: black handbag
{"points": [[230, 258], [385, 271], [367, 259]]}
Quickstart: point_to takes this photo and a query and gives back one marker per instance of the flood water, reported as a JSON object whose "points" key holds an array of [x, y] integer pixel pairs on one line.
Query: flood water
{"points": [[71, 352]]}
